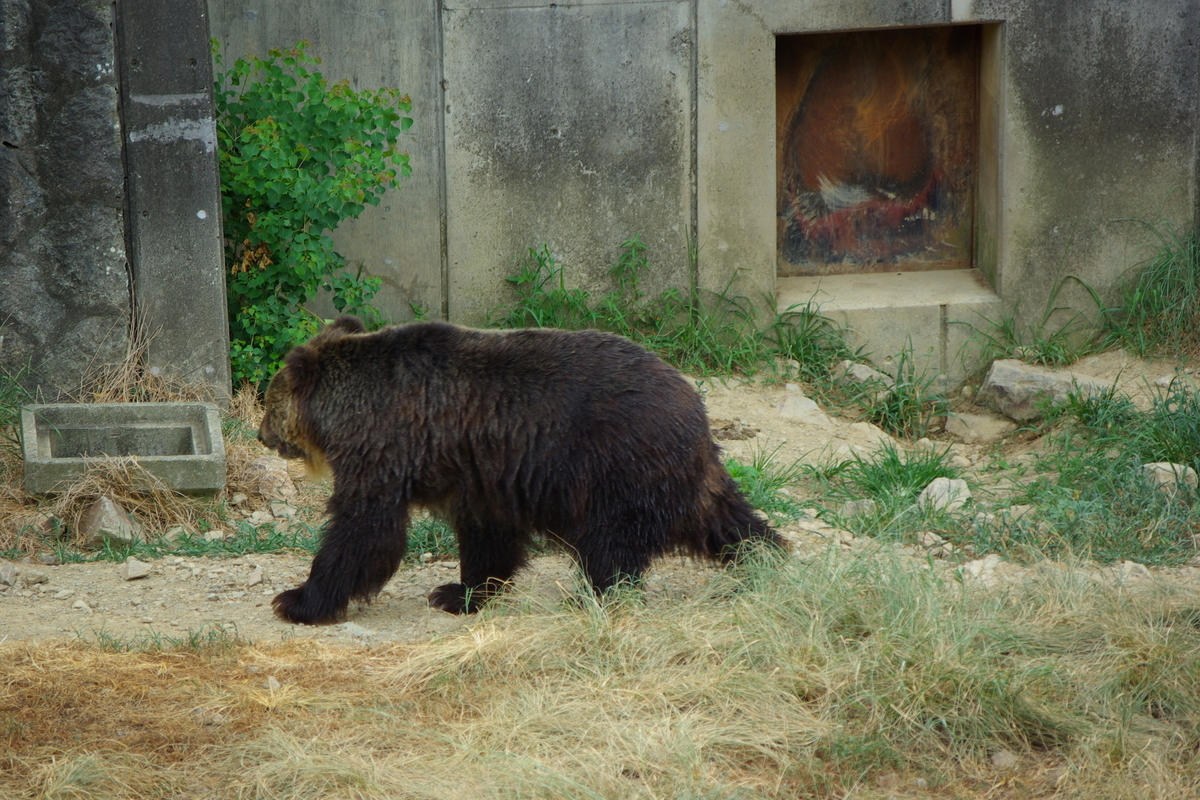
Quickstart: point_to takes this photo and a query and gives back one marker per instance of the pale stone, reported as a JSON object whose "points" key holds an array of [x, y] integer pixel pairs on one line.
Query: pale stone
{"points": [[1168, 476], [1018, 391], [133, 569], [976, 428], [282, 509], [269, 475], [945, 494], [106, 520], [858, 508], [796, 406]]}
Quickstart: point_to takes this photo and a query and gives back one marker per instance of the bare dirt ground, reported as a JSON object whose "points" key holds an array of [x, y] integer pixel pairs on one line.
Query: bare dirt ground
{"points": [[182, 595]]}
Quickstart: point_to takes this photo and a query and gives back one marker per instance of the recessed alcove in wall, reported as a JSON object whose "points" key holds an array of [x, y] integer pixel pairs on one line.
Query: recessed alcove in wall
{"points": [[878, 136]]}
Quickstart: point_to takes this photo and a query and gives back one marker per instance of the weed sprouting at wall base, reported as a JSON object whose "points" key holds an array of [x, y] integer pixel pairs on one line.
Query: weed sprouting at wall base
{"points": [[298, 155], [1158, 304], [1048, 340], [707, 333]]}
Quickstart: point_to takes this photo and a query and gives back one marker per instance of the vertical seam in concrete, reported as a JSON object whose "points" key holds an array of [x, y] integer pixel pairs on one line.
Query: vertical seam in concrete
{"points": [[943, 339], [118, 26], [1196, 152], [694, 157], [1001, 68], [443, 183]]}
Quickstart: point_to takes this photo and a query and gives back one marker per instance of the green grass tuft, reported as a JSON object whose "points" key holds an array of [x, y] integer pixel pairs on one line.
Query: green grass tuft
{"points": [[1156, 309], [710, 333]]}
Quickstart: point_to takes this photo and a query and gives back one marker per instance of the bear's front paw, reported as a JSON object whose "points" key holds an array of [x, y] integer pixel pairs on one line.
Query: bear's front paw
{"points": [[304, 606], [452, 597]]}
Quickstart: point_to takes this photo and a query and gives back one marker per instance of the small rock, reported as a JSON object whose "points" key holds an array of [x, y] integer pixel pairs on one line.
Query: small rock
{"points": [[888, 780], [931, 540], [63, 594], [858, 508], [873, 382], [731, 429], [133, 569], [32, 576], [982, 569], [945, 494], [237, 498], [974, 428], [216, 535], [82, 606], [269, 474], [1132, 571], [207, 717], [106, 520], [256, 577], [426, 558], [261, 517], [1056, 775], [282, 509], [357, 631], [1002, 759], [797, 407], [1167, 476], [48, 559], [8, 574], [1020, 392], [175, 533]]}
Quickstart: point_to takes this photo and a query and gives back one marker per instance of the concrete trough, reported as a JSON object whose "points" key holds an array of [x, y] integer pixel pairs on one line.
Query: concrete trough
{"points": [[179, 443]]}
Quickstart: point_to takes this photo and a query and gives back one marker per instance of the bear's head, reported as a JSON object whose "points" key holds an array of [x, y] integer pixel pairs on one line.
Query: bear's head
{"points": [[285, 427]]}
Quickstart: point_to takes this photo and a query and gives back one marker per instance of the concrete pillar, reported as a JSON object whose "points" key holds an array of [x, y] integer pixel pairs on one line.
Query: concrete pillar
{"points": [[172, 179]]}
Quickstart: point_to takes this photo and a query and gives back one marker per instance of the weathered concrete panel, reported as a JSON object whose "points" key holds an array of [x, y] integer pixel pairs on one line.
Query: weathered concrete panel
{"points": [[174, 190], [736, 149], [64, 289], [372, 43], [570, 127], [1099, 125]]}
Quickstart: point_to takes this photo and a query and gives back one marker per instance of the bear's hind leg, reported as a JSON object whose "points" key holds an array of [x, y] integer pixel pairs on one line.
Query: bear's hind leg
{"points": [[489, 555], [613, 553]]}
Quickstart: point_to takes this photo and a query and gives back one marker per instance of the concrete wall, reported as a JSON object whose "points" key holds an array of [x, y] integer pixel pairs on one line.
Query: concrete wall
{"points": [[111, 209], [64, 287], [581, 125], [568, 126]]}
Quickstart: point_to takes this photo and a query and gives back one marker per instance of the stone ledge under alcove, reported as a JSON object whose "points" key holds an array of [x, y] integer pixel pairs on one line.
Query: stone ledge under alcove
{"points": [[936, 311]]}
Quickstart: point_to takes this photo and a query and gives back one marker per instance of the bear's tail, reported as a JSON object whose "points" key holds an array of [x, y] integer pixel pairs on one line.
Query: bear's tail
{"points": [[733, 523]]}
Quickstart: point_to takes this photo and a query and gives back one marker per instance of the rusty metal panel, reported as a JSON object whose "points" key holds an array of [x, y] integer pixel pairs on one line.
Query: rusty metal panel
{"points": [[877, 137]]}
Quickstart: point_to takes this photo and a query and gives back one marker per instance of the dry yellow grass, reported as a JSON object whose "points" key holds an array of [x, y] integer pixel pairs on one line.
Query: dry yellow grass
{"points": [[848, 676]]}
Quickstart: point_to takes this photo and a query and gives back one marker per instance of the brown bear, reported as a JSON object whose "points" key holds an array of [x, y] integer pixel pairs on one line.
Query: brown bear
{"points": [[582, 436]]}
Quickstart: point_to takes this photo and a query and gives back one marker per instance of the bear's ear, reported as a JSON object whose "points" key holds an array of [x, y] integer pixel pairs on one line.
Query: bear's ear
{"points": [[349, 324], [342, 326], [303, 366]]}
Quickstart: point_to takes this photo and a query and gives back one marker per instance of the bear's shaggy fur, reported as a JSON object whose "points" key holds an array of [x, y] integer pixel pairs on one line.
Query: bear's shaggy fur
{"points": [[583, 436]]}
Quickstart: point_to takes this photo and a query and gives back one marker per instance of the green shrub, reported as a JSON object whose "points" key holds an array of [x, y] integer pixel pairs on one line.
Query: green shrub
{"points": [[298, 155]]}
